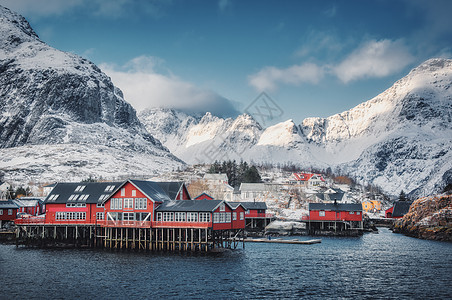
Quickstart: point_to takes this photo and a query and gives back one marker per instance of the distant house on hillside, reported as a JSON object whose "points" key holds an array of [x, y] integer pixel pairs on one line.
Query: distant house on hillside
{"points": [[216, 179], [308, 179], [252, 191]]}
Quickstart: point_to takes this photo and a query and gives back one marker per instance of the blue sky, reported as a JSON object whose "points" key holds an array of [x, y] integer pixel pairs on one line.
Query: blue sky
{"points": [[313, 58]]}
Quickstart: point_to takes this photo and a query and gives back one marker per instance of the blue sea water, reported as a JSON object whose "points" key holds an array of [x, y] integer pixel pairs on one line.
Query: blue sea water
{"points": [[374, 266]]}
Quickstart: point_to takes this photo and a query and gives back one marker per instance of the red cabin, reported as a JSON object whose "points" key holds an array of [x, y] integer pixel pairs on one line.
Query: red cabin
{"points": [[30, 205], [337, 215], [399, 209], [8, 211]]}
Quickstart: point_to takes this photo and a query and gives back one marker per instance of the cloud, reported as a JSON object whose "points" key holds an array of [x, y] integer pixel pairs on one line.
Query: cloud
{"points": [[374, 59], [268, 78], [143, 86]]}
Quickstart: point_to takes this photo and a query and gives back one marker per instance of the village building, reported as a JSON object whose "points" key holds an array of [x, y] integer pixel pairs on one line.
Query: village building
{"points": [[8, 211], [253, 191], [256, 215], [371, 205], [334, 217], [308, 179], [33, 206]]}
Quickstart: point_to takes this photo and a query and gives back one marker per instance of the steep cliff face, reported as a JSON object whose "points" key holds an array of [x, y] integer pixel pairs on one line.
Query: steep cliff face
{"points": [[428, 218], [50, 97]]}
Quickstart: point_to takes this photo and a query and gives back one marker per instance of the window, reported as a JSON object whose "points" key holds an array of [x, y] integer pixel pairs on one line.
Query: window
{"points": [[242, 215], [222, 217], [222, 207], [141, 203], [116, 203], [228, 217], [123, 192], [1, 212], [134, 193], [321, 213], [109, 188], [10, 212], [100, 204], [100, 216], [357, 212], [159, 216], [80, 188], [352, 212], [180, 217], [53, 197], [128, 203], [234, 216], [247, 211], [192, 217], [168, 217], [128, 216], [204, 217], [83, 197], [216, 217], [70, 215]]}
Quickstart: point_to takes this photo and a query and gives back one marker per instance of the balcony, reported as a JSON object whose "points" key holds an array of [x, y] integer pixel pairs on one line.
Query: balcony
{"points": [[161, 224]]}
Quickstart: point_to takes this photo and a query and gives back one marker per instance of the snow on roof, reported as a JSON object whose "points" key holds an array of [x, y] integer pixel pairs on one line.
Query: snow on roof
{"points": [[219, 176], [252, 187]]}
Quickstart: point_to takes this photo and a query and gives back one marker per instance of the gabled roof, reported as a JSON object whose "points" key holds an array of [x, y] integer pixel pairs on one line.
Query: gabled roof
{"points": [[197, 197], [330, 196], [151, 189], [81, 192], [336, 207], [28, 201], [172, 188], [7, 204], [252, 205], [401, 208], [306, 176], [190, 205]]}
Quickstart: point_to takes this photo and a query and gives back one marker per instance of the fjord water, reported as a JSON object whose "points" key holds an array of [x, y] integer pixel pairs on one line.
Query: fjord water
{"points": [[374, 266]]}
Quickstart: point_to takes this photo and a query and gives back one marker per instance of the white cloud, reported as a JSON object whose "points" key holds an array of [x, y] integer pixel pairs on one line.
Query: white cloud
{"points": [[268, 78], [144, 87], [374, 59]]}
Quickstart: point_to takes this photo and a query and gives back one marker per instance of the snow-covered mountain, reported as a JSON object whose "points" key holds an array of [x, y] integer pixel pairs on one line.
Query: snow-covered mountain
{"points": [[401, 139], [54, 98]]}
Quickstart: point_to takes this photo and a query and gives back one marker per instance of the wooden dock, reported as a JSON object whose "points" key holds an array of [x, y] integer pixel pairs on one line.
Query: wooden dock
{"points": [[284, 241]]}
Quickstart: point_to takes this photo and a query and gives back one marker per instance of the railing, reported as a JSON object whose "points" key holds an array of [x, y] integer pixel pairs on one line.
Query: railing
{"points": [[131, 224], [161, 224], [30, 220]]}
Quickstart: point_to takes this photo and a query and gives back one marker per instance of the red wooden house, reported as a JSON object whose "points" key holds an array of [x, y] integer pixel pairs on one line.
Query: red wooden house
{"points": [[8, 211], [256, 215], [30, 205], [337, 216], [398, 210]]}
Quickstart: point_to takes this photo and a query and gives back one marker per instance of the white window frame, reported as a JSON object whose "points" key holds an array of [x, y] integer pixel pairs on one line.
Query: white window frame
{"points": [[100, 216], [10, 212], [234, 216], [123, 191], [192, 217], [242, 216], [216, 217], [321, 213], [159, 217], [128, 203], [128, 216], [116, 203], [1, 212], [180, 217], [134, 193], [204, 217], [222, 207], [141, 203]]}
